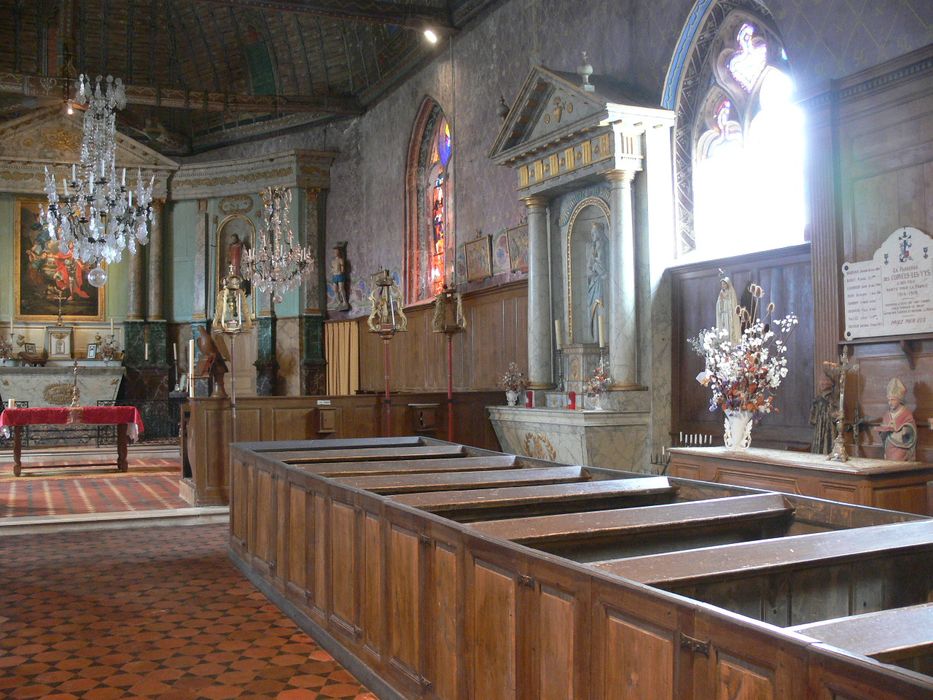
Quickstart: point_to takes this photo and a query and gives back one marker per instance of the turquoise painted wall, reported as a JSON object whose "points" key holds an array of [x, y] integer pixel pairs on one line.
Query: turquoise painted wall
{"points": [[181, 219]]}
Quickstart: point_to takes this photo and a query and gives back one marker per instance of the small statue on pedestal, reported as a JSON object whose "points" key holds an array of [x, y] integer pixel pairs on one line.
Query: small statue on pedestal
{"points": [[211, 363], [898, 428], [822, 417], [338, 278]]}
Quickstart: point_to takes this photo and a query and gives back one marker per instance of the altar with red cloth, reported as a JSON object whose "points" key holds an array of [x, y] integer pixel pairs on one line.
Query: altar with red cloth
{"points": [[127, 419]]}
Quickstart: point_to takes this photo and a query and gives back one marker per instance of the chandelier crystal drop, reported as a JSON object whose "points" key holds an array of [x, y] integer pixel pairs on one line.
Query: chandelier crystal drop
{"points": [[95, 215], [277, 265]]}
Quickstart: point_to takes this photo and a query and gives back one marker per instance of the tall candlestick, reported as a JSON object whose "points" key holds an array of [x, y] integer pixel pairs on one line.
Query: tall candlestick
{"points": [[559, 334], [602, 333], [191, 368]]}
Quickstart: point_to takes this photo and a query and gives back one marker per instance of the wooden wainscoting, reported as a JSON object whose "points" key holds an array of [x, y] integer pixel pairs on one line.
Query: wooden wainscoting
{"points": [[496, 333], [785, 276]]}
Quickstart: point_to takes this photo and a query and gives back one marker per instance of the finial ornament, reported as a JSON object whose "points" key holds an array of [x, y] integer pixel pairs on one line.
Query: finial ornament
{"points": [[585, 71]]}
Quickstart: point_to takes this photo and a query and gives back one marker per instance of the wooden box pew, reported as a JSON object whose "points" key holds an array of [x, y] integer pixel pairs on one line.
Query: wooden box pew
{"points": [[447, 481], [418, 605], [521, 501], [612, 534], [797, 580]]}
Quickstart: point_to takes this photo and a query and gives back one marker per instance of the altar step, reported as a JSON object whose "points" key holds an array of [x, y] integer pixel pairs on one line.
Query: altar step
{"points": [[206, 515], [83, 452]]}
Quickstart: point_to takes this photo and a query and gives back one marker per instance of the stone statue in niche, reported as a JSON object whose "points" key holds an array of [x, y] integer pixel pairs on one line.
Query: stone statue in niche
{"points": [[898, 428], [338, 276], [727, 304], [595, 277]]}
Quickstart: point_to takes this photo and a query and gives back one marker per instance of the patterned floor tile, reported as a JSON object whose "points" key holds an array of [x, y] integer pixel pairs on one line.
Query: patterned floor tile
{"points": [[139, 613]]}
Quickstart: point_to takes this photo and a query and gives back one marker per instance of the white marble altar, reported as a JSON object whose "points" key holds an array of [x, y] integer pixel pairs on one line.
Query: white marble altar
{"points": [[612, 439]]}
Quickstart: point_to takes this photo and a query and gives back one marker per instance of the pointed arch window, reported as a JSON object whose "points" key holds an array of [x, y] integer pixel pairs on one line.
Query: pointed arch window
{"points": [[748, 146], [430, 253]]}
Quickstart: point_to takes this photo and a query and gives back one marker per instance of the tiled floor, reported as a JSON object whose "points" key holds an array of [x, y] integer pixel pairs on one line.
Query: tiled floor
{"points": [[148, 613], [150, 484]]}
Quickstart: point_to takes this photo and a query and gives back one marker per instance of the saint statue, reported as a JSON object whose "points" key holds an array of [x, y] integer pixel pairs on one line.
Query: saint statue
{"points": [[235, 253], [211, 362], [595, 274], [727, 317], [898, 428], [338, 278], [822, 418]]}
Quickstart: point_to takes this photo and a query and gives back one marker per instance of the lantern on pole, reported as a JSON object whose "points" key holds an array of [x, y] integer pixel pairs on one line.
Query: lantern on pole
{"points": [[449, 320]]}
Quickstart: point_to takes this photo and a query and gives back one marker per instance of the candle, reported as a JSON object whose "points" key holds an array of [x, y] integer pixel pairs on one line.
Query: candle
{"points": [[191, 368], [74, 173], [602, 333], [146, 351], [175, 351], [11, 403], [111, 325], [559, 334]]}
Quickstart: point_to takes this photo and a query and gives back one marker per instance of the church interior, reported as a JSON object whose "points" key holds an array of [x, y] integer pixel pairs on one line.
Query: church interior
{"points": [[456, 349]]}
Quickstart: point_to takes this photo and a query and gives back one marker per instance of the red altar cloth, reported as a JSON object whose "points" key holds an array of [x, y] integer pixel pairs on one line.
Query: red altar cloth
{"points": [[88, 415]]}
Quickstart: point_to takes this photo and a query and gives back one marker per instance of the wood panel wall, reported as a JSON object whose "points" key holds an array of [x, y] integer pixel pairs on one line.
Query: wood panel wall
{"points": [[495, 335], [785, 276]]}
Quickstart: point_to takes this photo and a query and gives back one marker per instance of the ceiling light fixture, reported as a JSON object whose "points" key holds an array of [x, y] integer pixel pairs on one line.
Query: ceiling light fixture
{"points": [[95, 215], [430, 35]]}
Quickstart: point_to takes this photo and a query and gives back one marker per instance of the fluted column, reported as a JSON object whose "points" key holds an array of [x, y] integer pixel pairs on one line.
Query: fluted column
{"points": [[155, 261], [540, 375], [622, 328]]}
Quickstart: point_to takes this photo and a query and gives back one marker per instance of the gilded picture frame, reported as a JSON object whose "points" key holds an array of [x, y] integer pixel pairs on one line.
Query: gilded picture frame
{"points": [[478, 259], [41, 272], [58, 342]]}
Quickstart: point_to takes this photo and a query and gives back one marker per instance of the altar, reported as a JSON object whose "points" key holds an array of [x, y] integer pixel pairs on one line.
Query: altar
{"points": [[868, 482], [52, 386]]}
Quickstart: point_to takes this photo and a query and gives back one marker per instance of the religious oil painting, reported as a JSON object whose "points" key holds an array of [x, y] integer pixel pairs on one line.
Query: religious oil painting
{"points": [[518, 247], [48, 278], [478, 259], [501, 262]]}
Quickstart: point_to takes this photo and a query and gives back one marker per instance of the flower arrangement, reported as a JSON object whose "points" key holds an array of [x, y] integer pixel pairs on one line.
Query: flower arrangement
{"points": [[744, 375], [6, 349], [598, 383], [513, 379]]}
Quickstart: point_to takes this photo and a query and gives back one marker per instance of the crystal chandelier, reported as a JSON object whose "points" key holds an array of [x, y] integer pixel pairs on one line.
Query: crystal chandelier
{"points": [[95, 215], [277, 265]]}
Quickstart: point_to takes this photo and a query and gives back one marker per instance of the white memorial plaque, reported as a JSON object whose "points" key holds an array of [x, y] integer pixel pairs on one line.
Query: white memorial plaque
{"points": [[891, 294]]}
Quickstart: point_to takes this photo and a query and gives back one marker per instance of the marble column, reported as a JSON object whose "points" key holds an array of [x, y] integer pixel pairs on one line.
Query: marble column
{"points": [[623, 339], [155, 261], [136, 286], [540, 375], [313, 297]]}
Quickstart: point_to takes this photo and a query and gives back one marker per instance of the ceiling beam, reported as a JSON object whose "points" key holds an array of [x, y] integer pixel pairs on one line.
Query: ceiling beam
{"points": [[50, 89], [414, 16]]}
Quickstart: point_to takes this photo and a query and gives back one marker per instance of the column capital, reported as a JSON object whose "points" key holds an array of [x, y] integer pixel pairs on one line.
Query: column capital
{"points": [[623, 176], [535, 201]]}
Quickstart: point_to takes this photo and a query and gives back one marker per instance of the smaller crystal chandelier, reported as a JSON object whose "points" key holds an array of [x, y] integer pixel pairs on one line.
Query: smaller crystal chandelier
{"points": [[277, 265], [95, 215]]}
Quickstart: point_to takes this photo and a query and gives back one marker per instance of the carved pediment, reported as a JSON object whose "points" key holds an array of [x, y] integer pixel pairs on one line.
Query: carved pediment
{"points": [[51, 136], [553, 106]]}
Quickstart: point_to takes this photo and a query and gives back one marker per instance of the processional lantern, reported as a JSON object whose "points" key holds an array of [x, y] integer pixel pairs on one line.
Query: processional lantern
{"points": [[231, 317], [449, 320], [386, 319]]}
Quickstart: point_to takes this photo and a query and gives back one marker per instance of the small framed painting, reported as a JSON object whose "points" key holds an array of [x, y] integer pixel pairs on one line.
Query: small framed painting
{"points": [[518, 247], [58, 342], [29, 348], [92, 351], [478, 259]]}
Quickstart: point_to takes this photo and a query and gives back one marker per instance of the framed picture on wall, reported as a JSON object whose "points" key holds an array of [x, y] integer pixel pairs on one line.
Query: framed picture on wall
{"points": [[47, 277], [478, 259], [518, 247], [58, 342]]}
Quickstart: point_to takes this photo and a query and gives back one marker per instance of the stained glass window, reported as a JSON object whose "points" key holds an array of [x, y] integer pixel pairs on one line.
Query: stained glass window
{"points": [[748, 149], [430, 255]]}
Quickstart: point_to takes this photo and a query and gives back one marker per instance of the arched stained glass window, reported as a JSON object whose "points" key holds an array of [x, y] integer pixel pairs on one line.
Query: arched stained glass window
{"points": [[748, 146], [430, 254]]}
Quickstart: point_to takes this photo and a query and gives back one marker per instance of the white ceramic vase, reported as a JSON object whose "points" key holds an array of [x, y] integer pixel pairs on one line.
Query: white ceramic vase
{"points": [[512, 397], [738, 425]]}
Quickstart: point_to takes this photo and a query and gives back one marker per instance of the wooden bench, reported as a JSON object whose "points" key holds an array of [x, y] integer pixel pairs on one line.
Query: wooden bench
{"points": [[456, 464], [362, 454], [515, 501], [755, 558], [433, 482], [886, 635]]}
